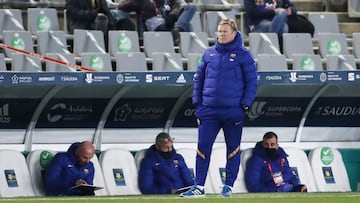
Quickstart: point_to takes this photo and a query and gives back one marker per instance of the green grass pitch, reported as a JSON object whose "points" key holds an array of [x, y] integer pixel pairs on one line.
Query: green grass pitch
{"points": [[348, 197]]}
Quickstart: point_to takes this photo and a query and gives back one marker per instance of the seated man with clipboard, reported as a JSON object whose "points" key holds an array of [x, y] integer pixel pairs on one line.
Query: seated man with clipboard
{"points": [[71, 173]]}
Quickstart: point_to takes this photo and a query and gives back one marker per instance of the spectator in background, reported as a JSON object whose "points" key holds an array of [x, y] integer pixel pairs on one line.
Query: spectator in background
{"points": [[95, 15], [268, 170], [269, 16], [225, 85], [162, 170], [71, 168], [162, 15]]}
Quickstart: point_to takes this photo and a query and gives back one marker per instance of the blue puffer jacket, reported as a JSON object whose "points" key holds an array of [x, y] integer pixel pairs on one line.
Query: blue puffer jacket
{"points": [[226, 76], [64, 170], [257, 174], [158, 175]]}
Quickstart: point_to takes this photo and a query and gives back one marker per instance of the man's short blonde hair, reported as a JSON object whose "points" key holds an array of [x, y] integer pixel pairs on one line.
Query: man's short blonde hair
{"points": [[230, 22]]}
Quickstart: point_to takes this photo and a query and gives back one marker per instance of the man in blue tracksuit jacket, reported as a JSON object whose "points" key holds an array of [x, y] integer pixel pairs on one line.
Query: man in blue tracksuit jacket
{"points": [[70, 168], [225, 85], [268, 170], [162, 170]]}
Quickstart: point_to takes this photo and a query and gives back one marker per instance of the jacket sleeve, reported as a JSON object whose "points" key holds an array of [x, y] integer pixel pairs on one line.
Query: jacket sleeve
{"points": [[198, 82], [256, 14], [250, 79], [289, 176], [54, 181], [186, 176], [253, 176], [146, 177]]}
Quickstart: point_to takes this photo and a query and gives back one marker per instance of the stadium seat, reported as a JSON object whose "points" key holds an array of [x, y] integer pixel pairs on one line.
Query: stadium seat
{"points": [[139, 155], [356, 44], [18, 39], [11, 19], [37, 162], [213, 18], [2, 62], [215, 5], [158, 42], [120, 173], [300, 166], [97, 61], [332, 44], [329, 170], [99, 177], [340, 62], [193, 61], [271, 62], [217, 171], [123, 41], [264, 43], [189, 155], [307, 62], [23, 63], [353, 8], [297, 43], [51, 42], [131, 62], [196, 22], [88, 41], [324, 22], [239, 184], [15, 178], [55, 67], [245, 155], [193, 42], [23, 4], [167, 62], [42, 19]]}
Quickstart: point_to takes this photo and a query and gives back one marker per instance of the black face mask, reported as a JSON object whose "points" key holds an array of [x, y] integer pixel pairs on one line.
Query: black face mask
{"points": [[165, 155], [271, 152]]}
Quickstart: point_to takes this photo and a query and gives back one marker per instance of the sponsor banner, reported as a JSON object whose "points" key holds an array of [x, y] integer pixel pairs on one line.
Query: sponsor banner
{"points": [[309, 77], [335, 112], [186, 115], [140, 113], [287, 112], [46, 78], [276, 111], [72, 113], [16, 113], [167, 78]]}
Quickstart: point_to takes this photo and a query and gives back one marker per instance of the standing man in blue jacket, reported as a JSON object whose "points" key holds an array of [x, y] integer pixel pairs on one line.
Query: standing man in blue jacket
{"points": [[162, 170], [225, 86], [268, 170], [71, 168]]}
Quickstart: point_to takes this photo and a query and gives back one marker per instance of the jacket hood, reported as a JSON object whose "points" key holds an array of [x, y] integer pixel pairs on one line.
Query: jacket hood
{"points": [[152, 149], [260, 151], [235, 44], [71, 151]]}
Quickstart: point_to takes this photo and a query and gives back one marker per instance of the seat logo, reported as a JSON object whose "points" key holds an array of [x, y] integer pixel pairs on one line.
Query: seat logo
{"points": [[43, 23]]}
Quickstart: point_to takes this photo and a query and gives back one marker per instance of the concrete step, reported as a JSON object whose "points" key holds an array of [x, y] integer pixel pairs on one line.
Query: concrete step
{"points": [[309, 5]]}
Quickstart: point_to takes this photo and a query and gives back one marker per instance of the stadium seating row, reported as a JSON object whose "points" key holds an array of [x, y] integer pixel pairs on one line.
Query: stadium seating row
{"points": [[45, 36], [12, 19], [323, 170], [332, 51]]}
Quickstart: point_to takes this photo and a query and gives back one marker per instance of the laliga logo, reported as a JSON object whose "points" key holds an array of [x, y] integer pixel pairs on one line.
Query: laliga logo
{"points": [[256, 110]]}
